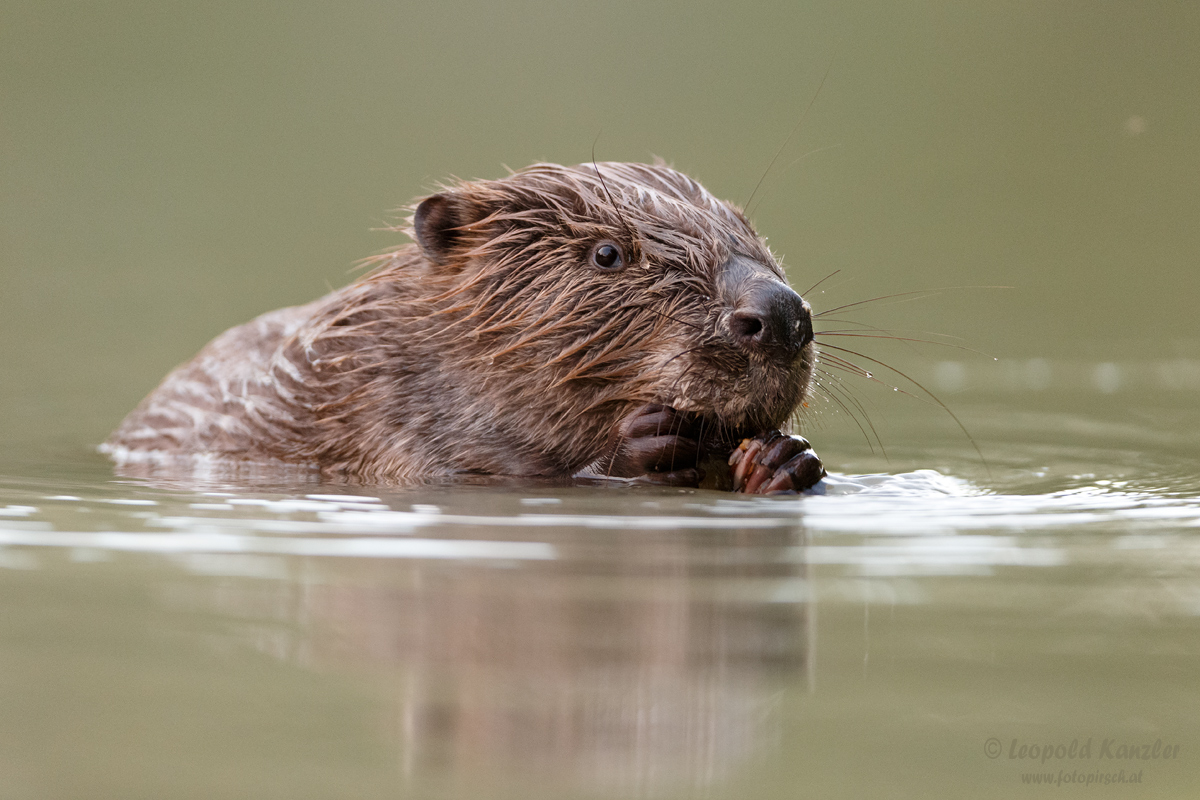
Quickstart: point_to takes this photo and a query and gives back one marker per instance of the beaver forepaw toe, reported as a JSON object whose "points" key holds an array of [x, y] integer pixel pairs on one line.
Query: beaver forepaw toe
{"points": [[775, 463], [657, 444]]}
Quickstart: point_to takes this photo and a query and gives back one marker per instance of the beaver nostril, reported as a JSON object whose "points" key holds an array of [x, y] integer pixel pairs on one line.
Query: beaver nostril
{"points": [[771, 317], [746, 326]]}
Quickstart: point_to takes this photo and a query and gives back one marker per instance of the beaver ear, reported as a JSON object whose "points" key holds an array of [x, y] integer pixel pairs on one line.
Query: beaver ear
{"points": [[440, 224]]}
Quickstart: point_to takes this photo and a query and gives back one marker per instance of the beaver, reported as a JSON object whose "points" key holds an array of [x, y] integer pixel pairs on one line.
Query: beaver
{"points": [[603, 320]]}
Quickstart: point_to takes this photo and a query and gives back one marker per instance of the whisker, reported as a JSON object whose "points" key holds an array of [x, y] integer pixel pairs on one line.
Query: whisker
{"points": [[863, 326], [664, 315], [840, 363], [763, 196], [799, 122], [859, 335], [809, 290], [846, 392], [912, 296], [612, 459], [813, 152], [918, 294], [604, 184], [829, 394], [930, 394], [859, 372], [679, 355]]}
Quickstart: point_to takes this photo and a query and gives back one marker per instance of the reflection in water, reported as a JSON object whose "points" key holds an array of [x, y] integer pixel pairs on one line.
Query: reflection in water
{"points": [[493, 644], [635, 661]]}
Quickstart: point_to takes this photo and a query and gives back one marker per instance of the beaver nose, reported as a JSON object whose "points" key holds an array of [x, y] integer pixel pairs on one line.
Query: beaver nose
{"points": [[772, 318]]}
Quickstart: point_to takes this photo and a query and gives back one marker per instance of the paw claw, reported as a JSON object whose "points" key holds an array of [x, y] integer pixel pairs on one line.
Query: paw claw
{"points": [[775, 463], [747, 463]]}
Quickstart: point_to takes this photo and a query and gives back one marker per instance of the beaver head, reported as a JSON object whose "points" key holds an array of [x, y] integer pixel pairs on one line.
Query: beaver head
{"points": [[559, 299]]}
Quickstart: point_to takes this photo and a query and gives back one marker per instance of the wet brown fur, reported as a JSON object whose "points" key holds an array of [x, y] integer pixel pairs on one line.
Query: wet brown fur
{"points": [[504, 351]]}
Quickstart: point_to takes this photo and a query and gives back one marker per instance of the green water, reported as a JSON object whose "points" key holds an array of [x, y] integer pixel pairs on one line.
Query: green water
{"points": [[170, 170]]}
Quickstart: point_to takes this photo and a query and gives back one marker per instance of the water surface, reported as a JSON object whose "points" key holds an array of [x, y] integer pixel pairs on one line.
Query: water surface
{"points": [[597, 642]]}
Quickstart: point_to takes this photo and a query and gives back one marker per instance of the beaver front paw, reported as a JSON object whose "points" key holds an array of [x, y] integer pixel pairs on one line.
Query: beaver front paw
{"points": [[657, 444], [775, 463]]}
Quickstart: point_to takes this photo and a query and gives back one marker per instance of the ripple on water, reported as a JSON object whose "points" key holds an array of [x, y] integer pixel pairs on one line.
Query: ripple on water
{"points": [[918, 523]]}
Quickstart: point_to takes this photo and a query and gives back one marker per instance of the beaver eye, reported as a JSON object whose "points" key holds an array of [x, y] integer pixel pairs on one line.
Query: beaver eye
{"points": [[606, 256]]}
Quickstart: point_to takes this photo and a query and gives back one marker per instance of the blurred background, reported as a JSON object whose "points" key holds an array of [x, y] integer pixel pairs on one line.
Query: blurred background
{"points": [[170, 170]]}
